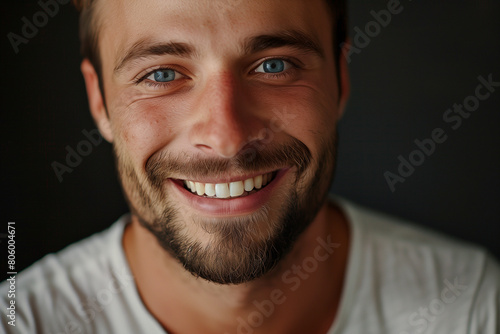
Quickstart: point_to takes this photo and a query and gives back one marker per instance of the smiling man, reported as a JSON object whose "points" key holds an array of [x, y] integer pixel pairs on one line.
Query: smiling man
{"points": [[222, 116]]}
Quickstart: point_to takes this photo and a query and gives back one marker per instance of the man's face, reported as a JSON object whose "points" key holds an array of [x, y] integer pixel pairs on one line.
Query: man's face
{"points": [[237, 99]]}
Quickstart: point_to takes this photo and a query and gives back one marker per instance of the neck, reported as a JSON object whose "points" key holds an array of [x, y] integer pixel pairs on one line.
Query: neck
{"points": [[300, 295]]}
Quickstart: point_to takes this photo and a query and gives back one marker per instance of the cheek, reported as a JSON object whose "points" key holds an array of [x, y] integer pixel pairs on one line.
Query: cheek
{"points": [[305, 113], [145, 127]]}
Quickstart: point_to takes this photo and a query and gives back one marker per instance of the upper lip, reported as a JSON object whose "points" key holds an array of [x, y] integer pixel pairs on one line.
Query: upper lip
{"points": [[228, 179]]}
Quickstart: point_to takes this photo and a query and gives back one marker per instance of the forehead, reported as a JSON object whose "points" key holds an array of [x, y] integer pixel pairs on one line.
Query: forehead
{"points": [[215, 24]]}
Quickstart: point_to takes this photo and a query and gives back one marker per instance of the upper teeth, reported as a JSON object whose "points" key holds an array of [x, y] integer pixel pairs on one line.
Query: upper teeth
{"points": [[230, 189]]}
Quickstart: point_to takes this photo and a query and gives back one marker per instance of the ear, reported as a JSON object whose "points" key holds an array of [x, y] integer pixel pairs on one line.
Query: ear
{"points": [[96, 101], [345, 82]]}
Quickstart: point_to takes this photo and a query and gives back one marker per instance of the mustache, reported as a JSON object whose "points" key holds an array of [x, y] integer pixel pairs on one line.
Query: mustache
{"points": [[252, 158]]}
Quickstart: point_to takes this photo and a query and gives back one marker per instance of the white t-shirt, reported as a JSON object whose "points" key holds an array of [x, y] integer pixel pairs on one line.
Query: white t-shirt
{"points": [[400, 280]]}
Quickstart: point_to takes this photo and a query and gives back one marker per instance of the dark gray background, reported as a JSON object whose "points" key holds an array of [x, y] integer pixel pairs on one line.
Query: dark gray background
{"points": [[424, 61]]}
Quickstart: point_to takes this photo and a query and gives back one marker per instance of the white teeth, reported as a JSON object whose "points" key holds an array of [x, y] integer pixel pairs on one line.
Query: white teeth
{"points": [[222, 190], [258, 182], [236, 189], [249, 184], [200, 188], [232, 189], [210, 189]]}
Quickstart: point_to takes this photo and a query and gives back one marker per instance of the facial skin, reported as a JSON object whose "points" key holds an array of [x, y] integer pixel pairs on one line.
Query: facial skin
{"points": [[222, 118]]}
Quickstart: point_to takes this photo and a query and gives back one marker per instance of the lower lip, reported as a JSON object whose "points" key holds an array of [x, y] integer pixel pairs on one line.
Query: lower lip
{"points": [[230, 206]]}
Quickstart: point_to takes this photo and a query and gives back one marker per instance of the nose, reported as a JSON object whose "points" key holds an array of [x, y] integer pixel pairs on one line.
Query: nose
{"points": [[223, 123]]}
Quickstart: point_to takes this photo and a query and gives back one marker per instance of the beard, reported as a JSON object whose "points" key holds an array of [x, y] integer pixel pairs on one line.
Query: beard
{"points": [[231, 250]]}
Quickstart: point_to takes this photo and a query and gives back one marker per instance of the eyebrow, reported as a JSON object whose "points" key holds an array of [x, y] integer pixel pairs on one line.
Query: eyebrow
{"points": [[291, 38], [147, 48]]}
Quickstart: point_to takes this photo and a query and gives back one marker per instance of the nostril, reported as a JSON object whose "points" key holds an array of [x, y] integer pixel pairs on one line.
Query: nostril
{"points": [[224, 149], [205, 148]]}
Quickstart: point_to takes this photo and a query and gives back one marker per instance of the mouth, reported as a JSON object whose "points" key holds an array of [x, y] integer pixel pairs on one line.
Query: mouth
{"points": [[239, 195], [234, 189]]}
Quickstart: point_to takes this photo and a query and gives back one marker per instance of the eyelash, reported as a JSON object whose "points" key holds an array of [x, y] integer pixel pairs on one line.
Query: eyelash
{"points": [[280, 75], [155, 84]]}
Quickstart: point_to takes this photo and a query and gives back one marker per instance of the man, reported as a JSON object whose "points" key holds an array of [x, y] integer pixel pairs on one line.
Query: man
{"points": [[222, 115]]}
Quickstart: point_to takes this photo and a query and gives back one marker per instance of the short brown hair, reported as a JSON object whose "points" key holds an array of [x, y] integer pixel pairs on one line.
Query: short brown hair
{"points": [[89, 30]]}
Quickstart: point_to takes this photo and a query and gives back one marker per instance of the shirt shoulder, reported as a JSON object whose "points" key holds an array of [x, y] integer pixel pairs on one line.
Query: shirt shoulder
{"points": [[403, 278], [77, 290]]}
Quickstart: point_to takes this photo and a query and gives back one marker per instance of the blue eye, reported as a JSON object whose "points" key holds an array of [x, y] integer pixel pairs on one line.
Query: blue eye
{"points": [[273, 66], [162, 75]]}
